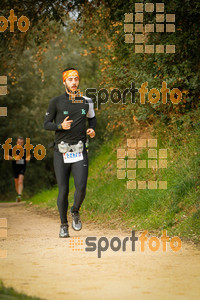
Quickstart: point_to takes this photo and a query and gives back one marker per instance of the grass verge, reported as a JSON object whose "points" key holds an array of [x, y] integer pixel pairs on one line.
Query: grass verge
{"points": [[11, 294]]}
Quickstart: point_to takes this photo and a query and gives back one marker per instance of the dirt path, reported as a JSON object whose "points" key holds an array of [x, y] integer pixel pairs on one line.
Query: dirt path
{"points": [[39, 263]]}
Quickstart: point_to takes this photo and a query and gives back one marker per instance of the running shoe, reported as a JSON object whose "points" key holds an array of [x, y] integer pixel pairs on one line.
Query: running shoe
{"points": [[18, 198], [76, 221], [64, 231]]}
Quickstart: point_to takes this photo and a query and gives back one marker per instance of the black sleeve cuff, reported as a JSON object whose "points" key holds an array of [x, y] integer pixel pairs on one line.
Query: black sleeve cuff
{"points": [[92, 122]]}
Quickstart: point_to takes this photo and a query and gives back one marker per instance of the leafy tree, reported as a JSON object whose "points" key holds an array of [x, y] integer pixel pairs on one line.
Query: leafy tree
{"points": [[35, 79]]}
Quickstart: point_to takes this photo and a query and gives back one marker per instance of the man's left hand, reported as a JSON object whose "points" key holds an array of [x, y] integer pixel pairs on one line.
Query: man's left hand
{"points": [[91, 132]]}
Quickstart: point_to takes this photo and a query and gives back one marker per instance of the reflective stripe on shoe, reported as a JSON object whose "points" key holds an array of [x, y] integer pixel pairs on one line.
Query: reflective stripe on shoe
{"points": [[76, 221], [64, 231]]}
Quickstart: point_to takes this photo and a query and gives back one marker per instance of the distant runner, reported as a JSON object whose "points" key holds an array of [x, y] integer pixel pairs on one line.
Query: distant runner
{"points": [[70, 154], [19, 168]]}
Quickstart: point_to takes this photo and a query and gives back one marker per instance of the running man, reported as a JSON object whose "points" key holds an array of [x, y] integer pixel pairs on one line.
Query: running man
{"points": [[19, 168], [68, 119]]}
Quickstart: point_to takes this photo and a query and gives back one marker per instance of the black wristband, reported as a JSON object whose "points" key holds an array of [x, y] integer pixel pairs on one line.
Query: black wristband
{"points": [[59, 126]]}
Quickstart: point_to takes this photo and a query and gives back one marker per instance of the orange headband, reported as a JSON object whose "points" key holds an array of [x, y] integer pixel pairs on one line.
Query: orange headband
{"points": [[70, 73]]}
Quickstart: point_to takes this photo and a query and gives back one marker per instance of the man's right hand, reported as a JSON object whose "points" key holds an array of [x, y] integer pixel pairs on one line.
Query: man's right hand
{"points": [[66, 124]]}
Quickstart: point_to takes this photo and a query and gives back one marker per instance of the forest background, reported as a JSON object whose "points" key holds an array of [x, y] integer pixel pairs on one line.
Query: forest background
{"points": [[89, 36]]}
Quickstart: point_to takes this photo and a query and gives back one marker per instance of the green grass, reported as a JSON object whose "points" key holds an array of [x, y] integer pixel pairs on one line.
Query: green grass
{"points": [[45, 198], [108, 201], [11, 294]]}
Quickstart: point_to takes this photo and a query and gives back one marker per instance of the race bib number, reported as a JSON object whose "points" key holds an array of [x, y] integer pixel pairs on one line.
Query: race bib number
{"points": [[71, 157], [20, 161]]}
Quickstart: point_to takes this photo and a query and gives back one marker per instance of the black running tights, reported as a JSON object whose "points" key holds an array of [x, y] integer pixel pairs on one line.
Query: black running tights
{"points": [[79, 171]]}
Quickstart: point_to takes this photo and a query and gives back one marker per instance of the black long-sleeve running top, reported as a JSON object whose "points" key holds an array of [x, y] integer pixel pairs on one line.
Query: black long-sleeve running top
{"points": [[59, 108]]}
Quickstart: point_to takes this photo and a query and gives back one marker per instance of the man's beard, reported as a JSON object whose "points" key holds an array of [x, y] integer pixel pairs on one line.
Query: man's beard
{"points": [[71, 92]]}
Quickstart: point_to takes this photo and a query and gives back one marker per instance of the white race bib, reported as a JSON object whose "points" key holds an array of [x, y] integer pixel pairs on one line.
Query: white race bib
{"points": [[71, 157], [20, 161]]}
